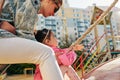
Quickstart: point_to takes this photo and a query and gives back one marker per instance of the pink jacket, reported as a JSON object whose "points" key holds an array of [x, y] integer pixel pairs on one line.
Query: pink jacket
{"points": [[63, 57]]}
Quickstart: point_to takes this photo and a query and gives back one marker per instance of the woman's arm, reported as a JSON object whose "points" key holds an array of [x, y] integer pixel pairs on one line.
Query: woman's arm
{"points": [[1, 5]]}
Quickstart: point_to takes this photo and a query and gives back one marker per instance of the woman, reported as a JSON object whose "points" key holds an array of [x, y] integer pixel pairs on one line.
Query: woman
{"points": [[22, 14]]}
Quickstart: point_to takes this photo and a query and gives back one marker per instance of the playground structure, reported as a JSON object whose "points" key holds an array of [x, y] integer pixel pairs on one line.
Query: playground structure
{"points": [[109, 70], [98, 55]]}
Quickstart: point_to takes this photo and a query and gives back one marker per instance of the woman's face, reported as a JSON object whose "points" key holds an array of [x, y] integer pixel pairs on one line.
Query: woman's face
{"points": [[48, 8]]}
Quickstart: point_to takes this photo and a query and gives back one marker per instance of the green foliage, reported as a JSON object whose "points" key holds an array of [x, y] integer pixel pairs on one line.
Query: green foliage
{"points": [[64, 45], [18, 68], [78, 53]]}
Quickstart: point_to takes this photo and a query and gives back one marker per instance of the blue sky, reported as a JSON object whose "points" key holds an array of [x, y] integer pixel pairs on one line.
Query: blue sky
{"points": [[85, 3]]}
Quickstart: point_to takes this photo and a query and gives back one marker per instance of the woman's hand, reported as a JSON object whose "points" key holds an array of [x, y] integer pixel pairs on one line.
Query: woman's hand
{"points": [[1, 5], [8, 27], [78, 47], [0, 11]]}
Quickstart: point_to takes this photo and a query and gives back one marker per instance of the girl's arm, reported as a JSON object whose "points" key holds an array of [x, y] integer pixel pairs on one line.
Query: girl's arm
{"points": [[64, 58], [67, 58], [78, 47], [69, 55]]}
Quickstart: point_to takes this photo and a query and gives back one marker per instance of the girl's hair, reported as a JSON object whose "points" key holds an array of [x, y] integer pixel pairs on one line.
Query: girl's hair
{"points": [[42, 35]]}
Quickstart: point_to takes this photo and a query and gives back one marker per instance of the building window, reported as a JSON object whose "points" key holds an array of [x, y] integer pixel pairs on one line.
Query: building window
{"points": [[73, 19], [42, 22], [58, 38], [58, 33], [74, 28], [62, 12], [58, 28], [75, 33], [57, 23]]}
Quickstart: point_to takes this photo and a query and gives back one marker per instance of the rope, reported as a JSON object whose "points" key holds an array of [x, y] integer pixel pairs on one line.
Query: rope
{"points": [[92, 26], [6, 68], [87, 54]]}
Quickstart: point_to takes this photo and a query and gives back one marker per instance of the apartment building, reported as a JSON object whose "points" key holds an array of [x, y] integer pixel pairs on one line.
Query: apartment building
{"points": [[69, 23]]}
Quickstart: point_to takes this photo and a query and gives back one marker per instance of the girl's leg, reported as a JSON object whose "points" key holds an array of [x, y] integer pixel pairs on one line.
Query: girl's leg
{"points": [[72, 74], [19, 50], [63, 69]]}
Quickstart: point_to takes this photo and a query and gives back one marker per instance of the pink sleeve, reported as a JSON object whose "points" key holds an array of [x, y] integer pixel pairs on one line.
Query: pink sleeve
{"points": [[67, 58], [37, 75]]}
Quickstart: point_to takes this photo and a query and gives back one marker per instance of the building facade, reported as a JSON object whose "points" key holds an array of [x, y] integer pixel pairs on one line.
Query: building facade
{"points": [[69, 23]]}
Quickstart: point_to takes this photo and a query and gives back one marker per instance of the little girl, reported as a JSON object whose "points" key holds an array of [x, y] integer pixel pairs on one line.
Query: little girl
{"points": [[65, 57]]}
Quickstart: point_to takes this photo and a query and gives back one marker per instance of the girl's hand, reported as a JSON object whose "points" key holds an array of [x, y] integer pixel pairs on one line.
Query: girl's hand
{"points": [[78, 47]]}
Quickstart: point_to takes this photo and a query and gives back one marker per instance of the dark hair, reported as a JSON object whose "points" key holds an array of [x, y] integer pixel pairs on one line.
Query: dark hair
{"points": [[57, 2], [43, 34]]}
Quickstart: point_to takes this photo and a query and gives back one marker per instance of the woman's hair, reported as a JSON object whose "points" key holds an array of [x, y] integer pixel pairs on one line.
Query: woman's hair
{"points": [[42, 35], [58, 1]]}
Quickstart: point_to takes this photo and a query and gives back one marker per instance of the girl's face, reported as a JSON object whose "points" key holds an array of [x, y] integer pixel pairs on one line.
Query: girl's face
{"points": [[52, 41]]}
